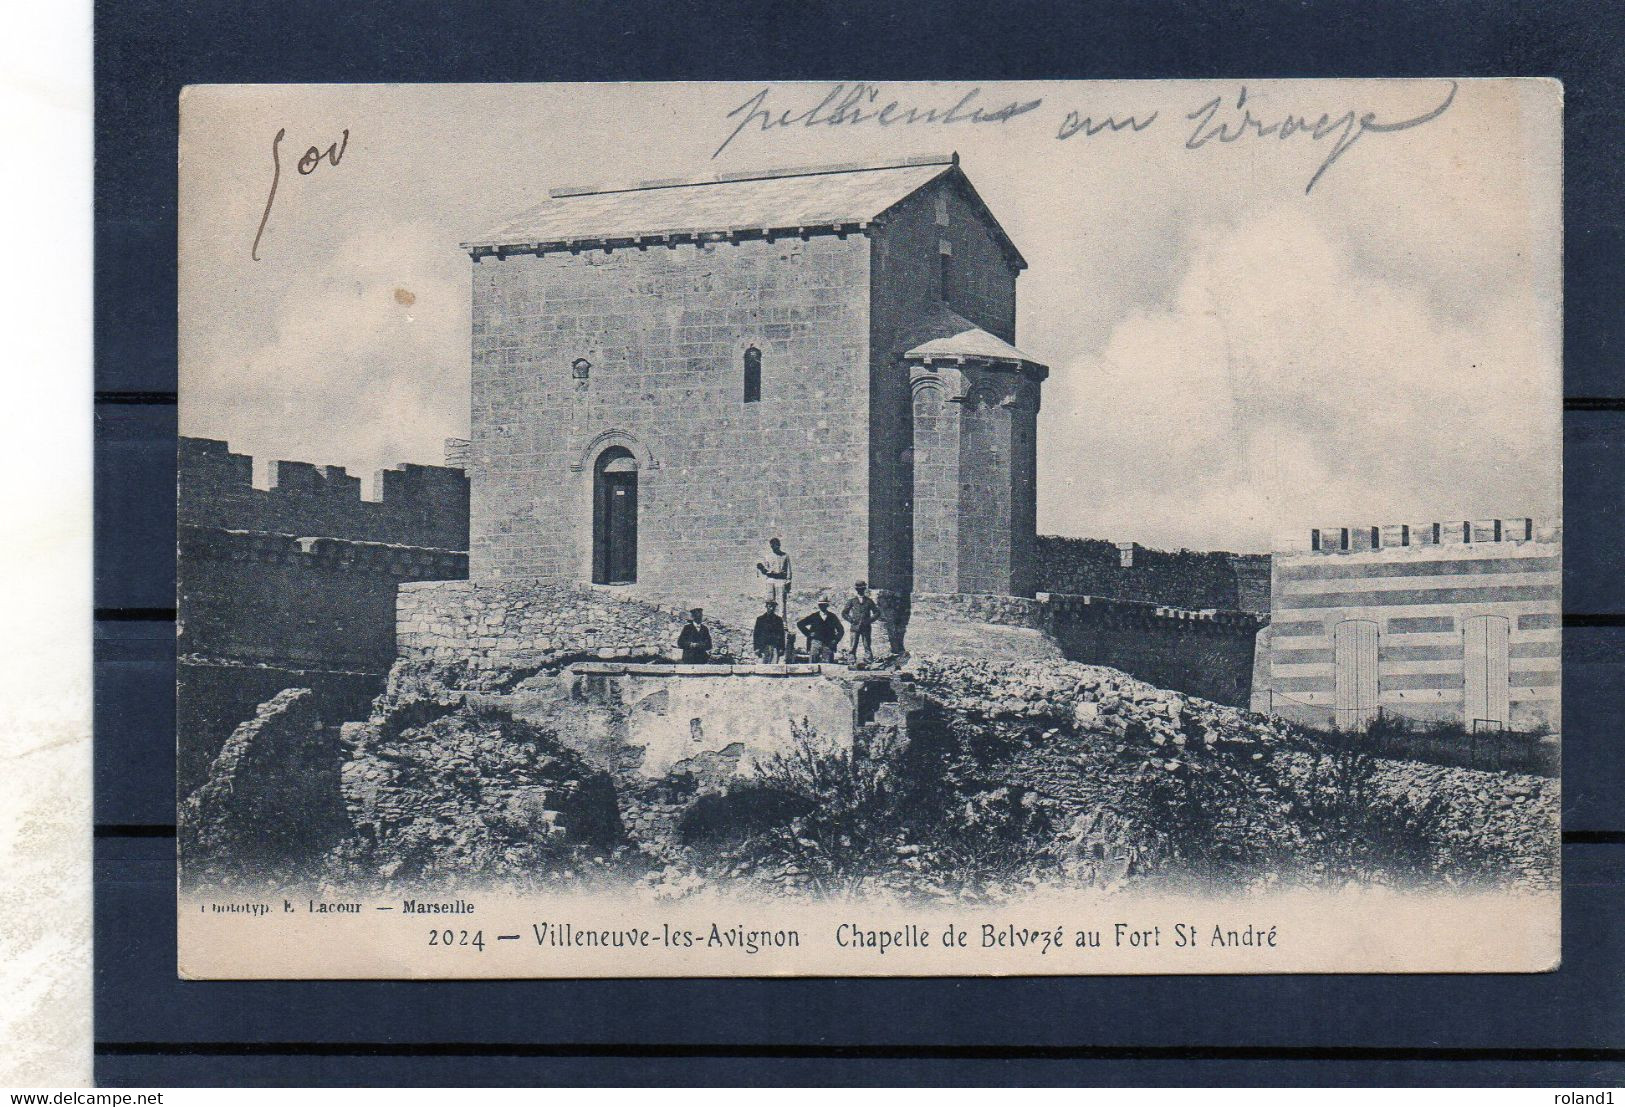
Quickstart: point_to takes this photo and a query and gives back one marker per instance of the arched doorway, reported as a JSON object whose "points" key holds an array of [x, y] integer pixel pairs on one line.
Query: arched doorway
{"points": [[615, 517]]}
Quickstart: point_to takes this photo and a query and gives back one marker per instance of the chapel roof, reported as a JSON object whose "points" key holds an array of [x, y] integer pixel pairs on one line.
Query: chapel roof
{"points": [[778, 200]]}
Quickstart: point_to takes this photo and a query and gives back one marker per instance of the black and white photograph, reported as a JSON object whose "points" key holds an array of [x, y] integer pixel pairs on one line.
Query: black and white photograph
{"points": [[864, 528]]}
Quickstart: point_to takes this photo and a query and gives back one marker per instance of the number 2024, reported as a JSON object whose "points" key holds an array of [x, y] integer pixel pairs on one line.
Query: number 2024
{"points": [[457, 938]]}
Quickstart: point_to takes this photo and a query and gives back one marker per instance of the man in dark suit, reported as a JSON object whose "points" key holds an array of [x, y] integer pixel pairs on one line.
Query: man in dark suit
{"points": [[767, 639], [823, 631], [695, 639]]}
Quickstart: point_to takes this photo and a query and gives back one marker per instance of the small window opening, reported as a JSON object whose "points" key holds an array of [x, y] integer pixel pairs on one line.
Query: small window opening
{"points": [[945, 271], [942, 211], [753, 375]]}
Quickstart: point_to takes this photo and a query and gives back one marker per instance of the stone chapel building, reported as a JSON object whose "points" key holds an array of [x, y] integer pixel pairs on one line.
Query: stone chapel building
{"points": [[667, 374]]}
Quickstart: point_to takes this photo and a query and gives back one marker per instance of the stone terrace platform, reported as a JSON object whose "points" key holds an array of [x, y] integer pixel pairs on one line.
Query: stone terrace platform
{"points": [[709, 721]]}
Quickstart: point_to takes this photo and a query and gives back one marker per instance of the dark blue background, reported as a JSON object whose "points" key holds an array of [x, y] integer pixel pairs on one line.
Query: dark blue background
{"points": [[1563, 1028]]}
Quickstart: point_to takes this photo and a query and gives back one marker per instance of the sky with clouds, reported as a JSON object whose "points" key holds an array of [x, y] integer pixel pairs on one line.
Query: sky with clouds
{"points": [[1234, 359]]}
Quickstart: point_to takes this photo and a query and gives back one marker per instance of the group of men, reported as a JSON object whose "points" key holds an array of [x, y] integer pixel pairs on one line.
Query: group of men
{"points": [[821, 628]]}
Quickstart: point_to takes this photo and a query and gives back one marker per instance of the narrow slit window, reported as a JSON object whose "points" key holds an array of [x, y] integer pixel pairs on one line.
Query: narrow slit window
{"points": [[753, 375], [945, 270]]}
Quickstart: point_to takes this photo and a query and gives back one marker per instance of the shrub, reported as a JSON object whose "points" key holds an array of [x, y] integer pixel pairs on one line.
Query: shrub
{"points": [[1448, 742], [1354, 828], [1203, 817]]}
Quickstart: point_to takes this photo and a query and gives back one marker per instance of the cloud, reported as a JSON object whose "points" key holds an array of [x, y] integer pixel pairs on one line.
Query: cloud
{"points": [[366, 364], [1283, 385]]}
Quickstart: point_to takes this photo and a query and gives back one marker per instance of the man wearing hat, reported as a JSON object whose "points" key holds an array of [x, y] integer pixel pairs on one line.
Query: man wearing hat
{"points": [[695, 639], [860, 613], [823, 631], [768, 637]]}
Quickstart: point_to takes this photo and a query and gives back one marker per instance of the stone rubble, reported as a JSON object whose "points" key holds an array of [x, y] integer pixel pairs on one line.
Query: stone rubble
{"points": [[1090, 766], [1089, 735]]}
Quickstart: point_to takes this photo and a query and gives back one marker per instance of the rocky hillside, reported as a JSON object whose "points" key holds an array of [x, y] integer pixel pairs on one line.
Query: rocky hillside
{"points": [[1011, 774], [1141, 780]]}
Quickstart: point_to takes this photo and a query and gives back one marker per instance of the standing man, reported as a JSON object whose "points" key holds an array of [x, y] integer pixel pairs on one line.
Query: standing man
{"points": [[823, 632], [695, 639], [774, 569], [768, 637], [860, 613]]}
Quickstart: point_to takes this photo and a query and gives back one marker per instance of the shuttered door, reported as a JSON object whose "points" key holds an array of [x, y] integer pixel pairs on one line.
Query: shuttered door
{"points": [[1484, 653], [1356, 659]]}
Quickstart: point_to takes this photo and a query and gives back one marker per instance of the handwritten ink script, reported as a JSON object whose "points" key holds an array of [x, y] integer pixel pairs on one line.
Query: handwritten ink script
{"points": [[859, 103], [306, 165], [1222, 119], [1345, 129]]}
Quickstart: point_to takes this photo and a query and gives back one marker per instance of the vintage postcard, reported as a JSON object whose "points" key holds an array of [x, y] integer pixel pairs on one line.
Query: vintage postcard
{"points": [[869, 529]]}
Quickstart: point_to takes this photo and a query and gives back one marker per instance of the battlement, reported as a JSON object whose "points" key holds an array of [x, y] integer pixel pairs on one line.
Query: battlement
{"points": [[411, 505], [1189, 579], [1456, 532], [1119, 612]]}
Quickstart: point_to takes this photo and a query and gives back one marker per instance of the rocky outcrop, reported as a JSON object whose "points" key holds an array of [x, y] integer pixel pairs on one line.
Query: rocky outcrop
{"points": [[461, 792], [270, 803], [1139, 779], [1018, 773]]}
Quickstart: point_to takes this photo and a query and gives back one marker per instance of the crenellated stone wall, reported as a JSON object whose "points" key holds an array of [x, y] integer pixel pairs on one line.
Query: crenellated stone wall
{"points": [[294, 585], [1194, 579]]}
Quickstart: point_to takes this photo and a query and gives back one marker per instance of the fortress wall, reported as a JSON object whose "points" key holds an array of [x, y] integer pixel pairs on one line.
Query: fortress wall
{"points": [[414, 505], [294, 586], [1201, 653], [1176, 578], [1443, 621]]}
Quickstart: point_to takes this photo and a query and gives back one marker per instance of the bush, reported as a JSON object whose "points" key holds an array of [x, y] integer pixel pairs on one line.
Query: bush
{"points": [[920, 817], [1353, 828], [1449, 742], [1196, 816], [847, 798]]}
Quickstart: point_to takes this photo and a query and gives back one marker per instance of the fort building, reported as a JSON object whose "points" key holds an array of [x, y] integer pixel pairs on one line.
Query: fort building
{"points": [[667, 374], [1444, 621]]}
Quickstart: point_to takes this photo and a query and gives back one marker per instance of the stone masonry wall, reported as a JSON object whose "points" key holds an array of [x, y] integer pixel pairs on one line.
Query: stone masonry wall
{"points": [[960, 624], [268, 599], [907, 294], [294, 586], [665, 331], [1175, 578], [1213, 662], [530, 623], [212, 697], [1202, 654], [414, 505]]}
